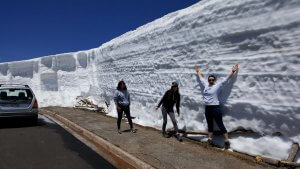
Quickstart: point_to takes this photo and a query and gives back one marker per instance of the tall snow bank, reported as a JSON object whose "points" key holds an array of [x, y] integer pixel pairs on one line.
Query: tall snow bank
{"points": [[262, 36]]}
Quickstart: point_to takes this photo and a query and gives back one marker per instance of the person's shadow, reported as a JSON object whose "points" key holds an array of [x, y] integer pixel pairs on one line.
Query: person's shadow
{"points": [[227, 88]]}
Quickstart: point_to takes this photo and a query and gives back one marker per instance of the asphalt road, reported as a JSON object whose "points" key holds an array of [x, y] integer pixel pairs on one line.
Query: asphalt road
{"points": [[44, 146]]}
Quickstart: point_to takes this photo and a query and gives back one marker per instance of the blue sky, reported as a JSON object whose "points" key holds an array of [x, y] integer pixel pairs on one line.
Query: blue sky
{"points": [[35, 28]]}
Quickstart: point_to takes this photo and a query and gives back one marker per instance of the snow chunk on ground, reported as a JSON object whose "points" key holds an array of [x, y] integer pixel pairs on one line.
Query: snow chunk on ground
{"points": [[268, 146]]}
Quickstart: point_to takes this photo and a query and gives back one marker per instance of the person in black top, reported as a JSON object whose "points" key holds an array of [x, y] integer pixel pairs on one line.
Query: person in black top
{"points": [[171, 97]]}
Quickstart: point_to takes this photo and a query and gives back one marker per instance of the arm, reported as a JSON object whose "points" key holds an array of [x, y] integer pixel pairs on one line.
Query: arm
{"points": [[128, 97], [200, 75], [234, 69], [116, 100], [161, 100], [115, 97], [178, 104]]}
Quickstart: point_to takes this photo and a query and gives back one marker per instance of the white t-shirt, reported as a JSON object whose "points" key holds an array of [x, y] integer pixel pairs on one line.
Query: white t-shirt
{"points": [[210, 93]]}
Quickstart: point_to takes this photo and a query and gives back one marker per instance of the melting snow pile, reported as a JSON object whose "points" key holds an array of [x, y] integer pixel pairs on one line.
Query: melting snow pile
{"points": [[262, 36]]}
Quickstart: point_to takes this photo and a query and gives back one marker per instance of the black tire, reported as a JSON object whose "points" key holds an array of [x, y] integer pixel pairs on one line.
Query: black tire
{"points": [[34, 120]]}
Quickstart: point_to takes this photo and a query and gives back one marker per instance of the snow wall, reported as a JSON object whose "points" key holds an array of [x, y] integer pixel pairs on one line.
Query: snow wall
{"points": [[263, 37]]}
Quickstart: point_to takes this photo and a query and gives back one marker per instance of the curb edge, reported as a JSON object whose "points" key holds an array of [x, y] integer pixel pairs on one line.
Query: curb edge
{"points": [[115, 155]]}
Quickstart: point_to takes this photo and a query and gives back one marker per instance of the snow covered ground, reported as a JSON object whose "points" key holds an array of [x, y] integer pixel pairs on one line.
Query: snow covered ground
{"points": [[262, 36]]}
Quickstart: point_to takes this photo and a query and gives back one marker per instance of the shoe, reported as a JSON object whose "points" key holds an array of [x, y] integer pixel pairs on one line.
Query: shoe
{"points": [[226, 145], [165, 135], [119, 131], [210, 142], [178, 137], [133, 130]]}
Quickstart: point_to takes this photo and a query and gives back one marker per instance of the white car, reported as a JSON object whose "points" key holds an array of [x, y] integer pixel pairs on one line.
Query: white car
{"points": [[18, 101]]}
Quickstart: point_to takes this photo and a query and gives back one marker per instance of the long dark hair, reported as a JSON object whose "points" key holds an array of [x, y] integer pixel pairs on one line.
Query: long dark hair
{"points": [[119, 85]]}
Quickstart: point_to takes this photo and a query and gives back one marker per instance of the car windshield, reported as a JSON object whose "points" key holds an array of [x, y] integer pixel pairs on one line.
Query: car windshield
{"points": [[15, 95]]}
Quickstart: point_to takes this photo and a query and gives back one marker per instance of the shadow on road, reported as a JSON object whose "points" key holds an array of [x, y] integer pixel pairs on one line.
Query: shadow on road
{"points": [[19, 122], [44, 145]]}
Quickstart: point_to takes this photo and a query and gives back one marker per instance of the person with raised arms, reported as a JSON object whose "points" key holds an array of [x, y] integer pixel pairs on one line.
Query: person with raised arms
{"points": [[212, 104]]}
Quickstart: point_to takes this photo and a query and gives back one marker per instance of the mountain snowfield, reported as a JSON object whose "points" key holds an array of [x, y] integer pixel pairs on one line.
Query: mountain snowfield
{"points": [[263, 37]]}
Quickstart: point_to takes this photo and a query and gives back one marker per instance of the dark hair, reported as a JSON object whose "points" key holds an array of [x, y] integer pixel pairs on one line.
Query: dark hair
{"points": [[175, 84], [212, 76], [119, 85]]}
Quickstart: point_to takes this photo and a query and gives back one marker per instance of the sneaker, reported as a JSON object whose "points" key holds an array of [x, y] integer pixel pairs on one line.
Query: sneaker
{"points": [[178, 137], [210, 142], [119, 131], [133, 130], [226, 145], [165, 135]]}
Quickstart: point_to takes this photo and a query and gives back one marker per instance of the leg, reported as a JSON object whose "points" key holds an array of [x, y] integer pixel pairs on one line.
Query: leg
{"points": [[210, 122], [226, 136], [127, 113], [210, 134], [226, 142], [120, 112], [172, 116], [219, 120], [164, 115]]}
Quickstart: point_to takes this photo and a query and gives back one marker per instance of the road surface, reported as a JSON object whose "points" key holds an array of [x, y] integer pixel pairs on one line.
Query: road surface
{"points": [[44, 146]]}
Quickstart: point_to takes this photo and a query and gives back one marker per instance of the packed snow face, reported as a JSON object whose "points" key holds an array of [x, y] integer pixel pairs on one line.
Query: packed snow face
{"points": [[263, 37]]}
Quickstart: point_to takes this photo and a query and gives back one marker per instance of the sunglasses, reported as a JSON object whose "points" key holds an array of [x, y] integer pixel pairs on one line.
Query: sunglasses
{"points": [[211, 80]]}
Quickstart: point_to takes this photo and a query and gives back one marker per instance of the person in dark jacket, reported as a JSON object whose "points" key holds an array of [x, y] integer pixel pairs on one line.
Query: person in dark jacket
{"points": [[122, 101], [170, 98]]}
